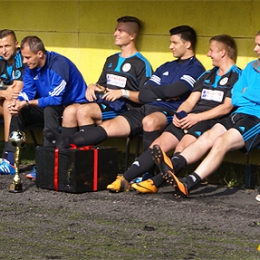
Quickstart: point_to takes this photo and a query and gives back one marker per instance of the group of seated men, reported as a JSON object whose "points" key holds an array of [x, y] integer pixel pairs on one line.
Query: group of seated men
{"points": [[180, 106]]}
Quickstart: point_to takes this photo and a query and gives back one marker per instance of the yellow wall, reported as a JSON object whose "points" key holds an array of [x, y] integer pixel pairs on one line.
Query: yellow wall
{"points": [[83, 30]]}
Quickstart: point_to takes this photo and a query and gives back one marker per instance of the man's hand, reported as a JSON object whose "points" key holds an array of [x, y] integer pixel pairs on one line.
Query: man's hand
{"points": [[112, 94], [188, 121], [91, 91], [15, 107], [9, 93]]}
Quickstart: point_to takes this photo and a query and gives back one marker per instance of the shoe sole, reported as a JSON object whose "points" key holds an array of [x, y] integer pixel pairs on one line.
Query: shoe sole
{"points": [[146, 190], [162, 160], [117, 191], [177, 184], [166, 168]]}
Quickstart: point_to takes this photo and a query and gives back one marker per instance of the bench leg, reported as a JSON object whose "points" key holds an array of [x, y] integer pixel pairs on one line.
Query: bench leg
{"points": [[249, 178]]}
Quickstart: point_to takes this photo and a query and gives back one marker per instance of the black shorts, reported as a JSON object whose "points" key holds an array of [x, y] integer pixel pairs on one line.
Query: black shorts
{"points": [[197, 130], [108, 112], [247, 125], [136, 115]]}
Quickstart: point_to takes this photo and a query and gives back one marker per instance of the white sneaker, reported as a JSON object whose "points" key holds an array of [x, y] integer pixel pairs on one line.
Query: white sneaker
{"points": [[257, 197]]}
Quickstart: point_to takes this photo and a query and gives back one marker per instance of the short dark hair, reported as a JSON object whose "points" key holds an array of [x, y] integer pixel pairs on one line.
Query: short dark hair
{"points": [[131, 19], [6, 32], [34, 42], [187, 34], [229, 44]]}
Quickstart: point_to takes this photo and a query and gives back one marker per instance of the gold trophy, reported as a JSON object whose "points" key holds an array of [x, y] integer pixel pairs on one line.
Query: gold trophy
{"points": [[17, 139]]}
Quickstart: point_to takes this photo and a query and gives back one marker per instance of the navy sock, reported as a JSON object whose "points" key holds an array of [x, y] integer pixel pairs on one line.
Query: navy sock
{"points": [[178, 162], [9, 156], [158, 180], [141, 165], [148, 138], [8, 153], [69, 130], [192, 180], [89, 135]]}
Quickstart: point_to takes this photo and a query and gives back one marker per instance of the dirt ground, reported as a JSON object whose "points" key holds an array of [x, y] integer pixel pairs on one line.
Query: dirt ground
{"points": [[215, 222]]}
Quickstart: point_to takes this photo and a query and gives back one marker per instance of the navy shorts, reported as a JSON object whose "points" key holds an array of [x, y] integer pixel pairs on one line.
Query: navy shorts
{"points": [[135, 116], [247, 125], [197, 130], [108, 112]]}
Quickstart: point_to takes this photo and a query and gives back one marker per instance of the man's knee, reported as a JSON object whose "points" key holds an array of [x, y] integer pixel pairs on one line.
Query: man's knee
{"points": [[154, 122], [89, 111], [70, 111], [185, 142]]}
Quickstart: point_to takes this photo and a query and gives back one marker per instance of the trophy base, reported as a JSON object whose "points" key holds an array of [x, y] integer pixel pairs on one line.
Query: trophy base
{"points": [[16, 188]]}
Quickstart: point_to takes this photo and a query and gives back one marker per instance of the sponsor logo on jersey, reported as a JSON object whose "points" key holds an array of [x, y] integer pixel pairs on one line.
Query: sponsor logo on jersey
{"points": [[116, 80], [166, 73], [214, 95], [126, 67]]}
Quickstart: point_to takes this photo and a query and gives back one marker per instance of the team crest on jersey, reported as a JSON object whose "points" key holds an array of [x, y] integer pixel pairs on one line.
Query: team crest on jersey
{"points": [[126, 67], [17, 74], [224, 81]]}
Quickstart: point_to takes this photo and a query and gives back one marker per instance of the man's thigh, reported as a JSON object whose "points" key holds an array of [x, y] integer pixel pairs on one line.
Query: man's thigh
{"points": [[32, 115], [116, 127]]}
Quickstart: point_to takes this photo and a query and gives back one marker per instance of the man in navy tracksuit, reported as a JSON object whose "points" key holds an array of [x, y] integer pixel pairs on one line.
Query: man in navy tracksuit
{"points": [[51, 82]]}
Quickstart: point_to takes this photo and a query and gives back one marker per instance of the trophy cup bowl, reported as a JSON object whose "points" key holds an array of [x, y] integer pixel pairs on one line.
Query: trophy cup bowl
{"points": [[17, 139]]}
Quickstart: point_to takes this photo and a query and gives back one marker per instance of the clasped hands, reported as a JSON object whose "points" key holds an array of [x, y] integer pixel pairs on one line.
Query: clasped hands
{"points": [[108, 94], [186, 122]]}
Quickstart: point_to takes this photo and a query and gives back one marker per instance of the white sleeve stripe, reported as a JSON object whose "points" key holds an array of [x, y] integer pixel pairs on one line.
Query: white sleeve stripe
{"points": [[23, 95], [190, 80], [156, 79], [58, 89]]}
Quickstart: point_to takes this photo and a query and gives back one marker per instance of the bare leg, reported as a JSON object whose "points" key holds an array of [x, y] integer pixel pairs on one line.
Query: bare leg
{"points": [[153, 125], [155, 121], [199, 148], [70, 116], [116, 127], [231, 140], [185, 142], [166, 141], [89, 114]]}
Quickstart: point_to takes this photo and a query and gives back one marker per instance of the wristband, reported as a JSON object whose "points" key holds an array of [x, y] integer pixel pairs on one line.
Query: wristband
{"points": [[125, 93], [27, 103]]}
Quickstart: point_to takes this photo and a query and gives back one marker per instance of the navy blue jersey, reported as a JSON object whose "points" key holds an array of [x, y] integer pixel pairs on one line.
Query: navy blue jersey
{"points": [[57, 82], [9, 73], [174, 71], [124, 73], [214, 88]]}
